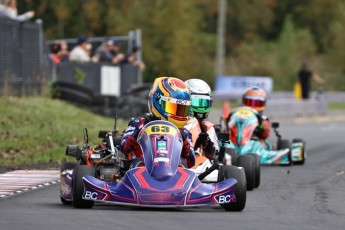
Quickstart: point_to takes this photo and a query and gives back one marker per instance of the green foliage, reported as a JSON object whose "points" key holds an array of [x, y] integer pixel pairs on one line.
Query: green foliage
{"points": [[79, 75], [36, 129], [268, 37], [280, 59]]}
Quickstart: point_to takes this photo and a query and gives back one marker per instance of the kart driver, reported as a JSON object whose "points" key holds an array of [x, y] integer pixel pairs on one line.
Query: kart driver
{"points": [[201, 98], [169, 100], [255, 98]]}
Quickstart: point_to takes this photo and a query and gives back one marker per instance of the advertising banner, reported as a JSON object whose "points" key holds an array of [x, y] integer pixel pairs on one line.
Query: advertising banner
{"points": [[238, 84]]}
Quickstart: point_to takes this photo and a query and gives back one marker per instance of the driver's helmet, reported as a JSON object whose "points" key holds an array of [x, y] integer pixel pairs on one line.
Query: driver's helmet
{"points": [[255, 98], [169, 100], [201, 98]]}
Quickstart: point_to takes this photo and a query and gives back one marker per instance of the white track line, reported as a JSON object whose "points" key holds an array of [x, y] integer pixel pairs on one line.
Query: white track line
{"points": [[15, 182]]}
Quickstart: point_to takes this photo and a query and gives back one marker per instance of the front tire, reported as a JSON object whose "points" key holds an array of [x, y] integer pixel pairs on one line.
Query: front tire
{"points": [[248, 163], [257, 169], [78, 186], [230, 171], [66, 166]]}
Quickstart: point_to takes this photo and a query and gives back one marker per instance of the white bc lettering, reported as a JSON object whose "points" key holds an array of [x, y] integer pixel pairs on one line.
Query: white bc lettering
{"points": [[224, 199], [91, 195]]}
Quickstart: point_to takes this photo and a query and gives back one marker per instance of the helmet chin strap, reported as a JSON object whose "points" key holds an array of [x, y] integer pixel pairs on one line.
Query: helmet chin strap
{"points": [[200, 116]]}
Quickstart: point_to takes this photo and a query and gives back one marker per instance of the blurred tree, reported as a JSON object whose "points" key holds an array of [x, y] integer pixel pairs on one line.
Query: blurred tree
{"points": [[280, 59], [249, 20], [172, 36], [179, 37]]}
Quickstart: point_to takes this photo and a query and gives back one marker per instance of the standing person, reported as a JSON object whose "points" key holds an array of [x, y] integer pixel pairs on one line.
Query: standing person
{"points": [[304, 76], [133, 58], [9, 9], [59, 52], [169, 100], [81, 53], [108, 52], [64, 53], [54, 53]]}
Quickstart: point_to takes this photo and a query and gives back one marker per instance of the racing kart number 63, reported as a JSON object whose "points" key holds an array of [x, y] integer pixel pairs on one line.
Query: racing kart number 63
{"points": [[162, 181]]}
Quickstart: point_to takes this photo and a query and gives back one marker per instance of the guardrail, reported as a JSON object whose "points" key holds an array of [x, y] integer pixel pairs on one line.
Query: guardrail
{"points": [[284, 103]]}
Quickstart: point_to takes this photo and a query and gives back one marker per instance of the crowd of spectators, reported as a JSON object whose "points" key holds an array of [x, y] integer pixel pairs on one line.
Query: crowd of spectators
{"points": [[109, 52]]}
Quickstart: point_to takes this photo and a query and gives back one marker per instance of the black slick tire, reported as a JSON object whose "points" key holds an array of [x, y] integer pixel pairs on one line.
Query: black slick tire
{"points": [[230, 171], [78, 186], [248, 163]]}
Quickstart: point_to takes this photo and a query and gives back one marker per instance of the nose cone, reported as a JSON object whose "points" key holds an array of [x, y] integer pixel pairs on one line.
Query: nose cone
{"points": [[161, 171]]}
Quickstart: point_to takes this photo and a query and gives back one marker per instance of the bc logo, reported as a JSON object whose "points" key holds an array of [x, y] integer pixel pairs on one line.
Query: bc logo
{"points": [[226, 199], [91, 195]]}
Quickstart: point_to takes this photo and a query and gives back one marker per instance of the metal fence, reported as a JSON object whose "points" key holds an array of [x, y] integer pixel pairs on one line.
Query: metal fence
{"points": [[26, 68], [24, 63]]}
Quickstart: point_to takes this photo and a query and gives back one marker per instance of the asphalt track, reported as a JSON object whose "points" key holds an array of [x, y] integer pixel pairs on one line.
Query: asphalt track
{"points": [[311, 196]]}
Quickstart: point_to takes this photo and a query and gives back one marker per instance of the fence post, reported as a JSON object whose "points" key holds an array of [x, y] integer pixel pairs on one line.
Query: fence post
{"points": [[138, 43]]}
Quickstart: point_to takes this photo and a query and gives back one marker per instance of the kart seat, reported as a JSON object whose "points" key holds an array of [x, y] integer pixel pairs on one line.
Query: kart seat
{"points": [[140, 164]]}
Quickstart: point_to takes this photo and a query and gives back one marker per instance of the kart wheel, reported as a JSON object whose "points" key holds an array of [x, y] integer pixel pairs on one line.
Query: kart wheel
{"points": [[257, 169], [232, 152], [78, 186], [64, 201], [66, 166], [300, 162], [248, 163], [230, 171], [285, 144]]}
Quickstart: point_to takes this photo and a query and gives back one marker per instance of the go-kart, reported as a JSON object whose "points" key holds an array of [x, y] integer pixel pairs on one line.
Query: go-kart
{"points": [[297, 147], [242, 125], [229, 157], [161, 181], [106, 162]]}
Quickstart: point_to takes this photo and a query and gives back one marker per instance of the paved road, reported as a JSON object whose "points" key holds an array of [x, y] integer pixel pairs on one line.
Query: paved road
{"points": [[296, 197]]}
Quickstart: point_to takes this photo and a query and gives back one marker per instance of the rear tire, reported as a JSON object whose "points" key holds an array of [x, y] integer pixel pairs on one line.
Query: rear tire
{"points": [[257, 169], [230, 171], [248, 163], [78, 186], [232, 152], [301, 162], [285, 144], [66, 166]]}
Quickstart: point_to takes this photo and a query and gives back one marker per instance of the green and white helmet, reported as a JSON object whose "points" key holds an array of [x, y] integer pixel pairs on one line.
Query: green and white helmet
{"points": [[201, 98]]}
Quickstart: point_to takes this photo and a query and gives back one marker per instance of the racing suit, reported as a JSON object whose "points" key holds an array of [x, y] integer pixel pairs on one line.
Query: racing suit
{"points": [[204, 135], [262, 132], [129, 142]]}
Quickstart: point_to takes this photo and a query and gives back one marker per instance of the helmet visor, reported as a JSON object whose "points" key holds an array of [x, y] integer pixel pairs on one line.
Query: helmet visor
{"points": [[201, 101], [253, 102], [178, 107]]}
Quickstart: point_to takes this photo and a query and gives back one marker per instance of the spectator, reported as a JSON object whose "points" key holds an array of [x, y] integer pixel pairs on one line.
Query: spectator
{"points": [[108, 52], [64, 53], [81, 53], [59, 52], [54, 53], [9, 9], [133, 58], [304, 76]]}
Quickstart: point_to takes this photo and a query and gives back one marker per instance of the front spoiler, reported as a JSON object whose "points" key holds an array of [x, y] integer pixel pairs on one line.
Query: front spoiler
{"points": [[138, 188]]}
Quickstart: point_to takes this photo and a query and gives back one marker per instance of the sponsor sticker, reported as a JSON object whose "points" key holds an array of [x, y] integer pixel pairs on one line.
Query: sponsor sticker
{"points": [[224, 199]]}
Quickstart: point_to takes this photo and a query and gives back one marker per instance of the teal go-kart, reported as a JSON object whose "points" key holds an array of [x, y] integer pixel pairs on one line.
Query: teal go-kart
{"points": [[242, 125]]}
